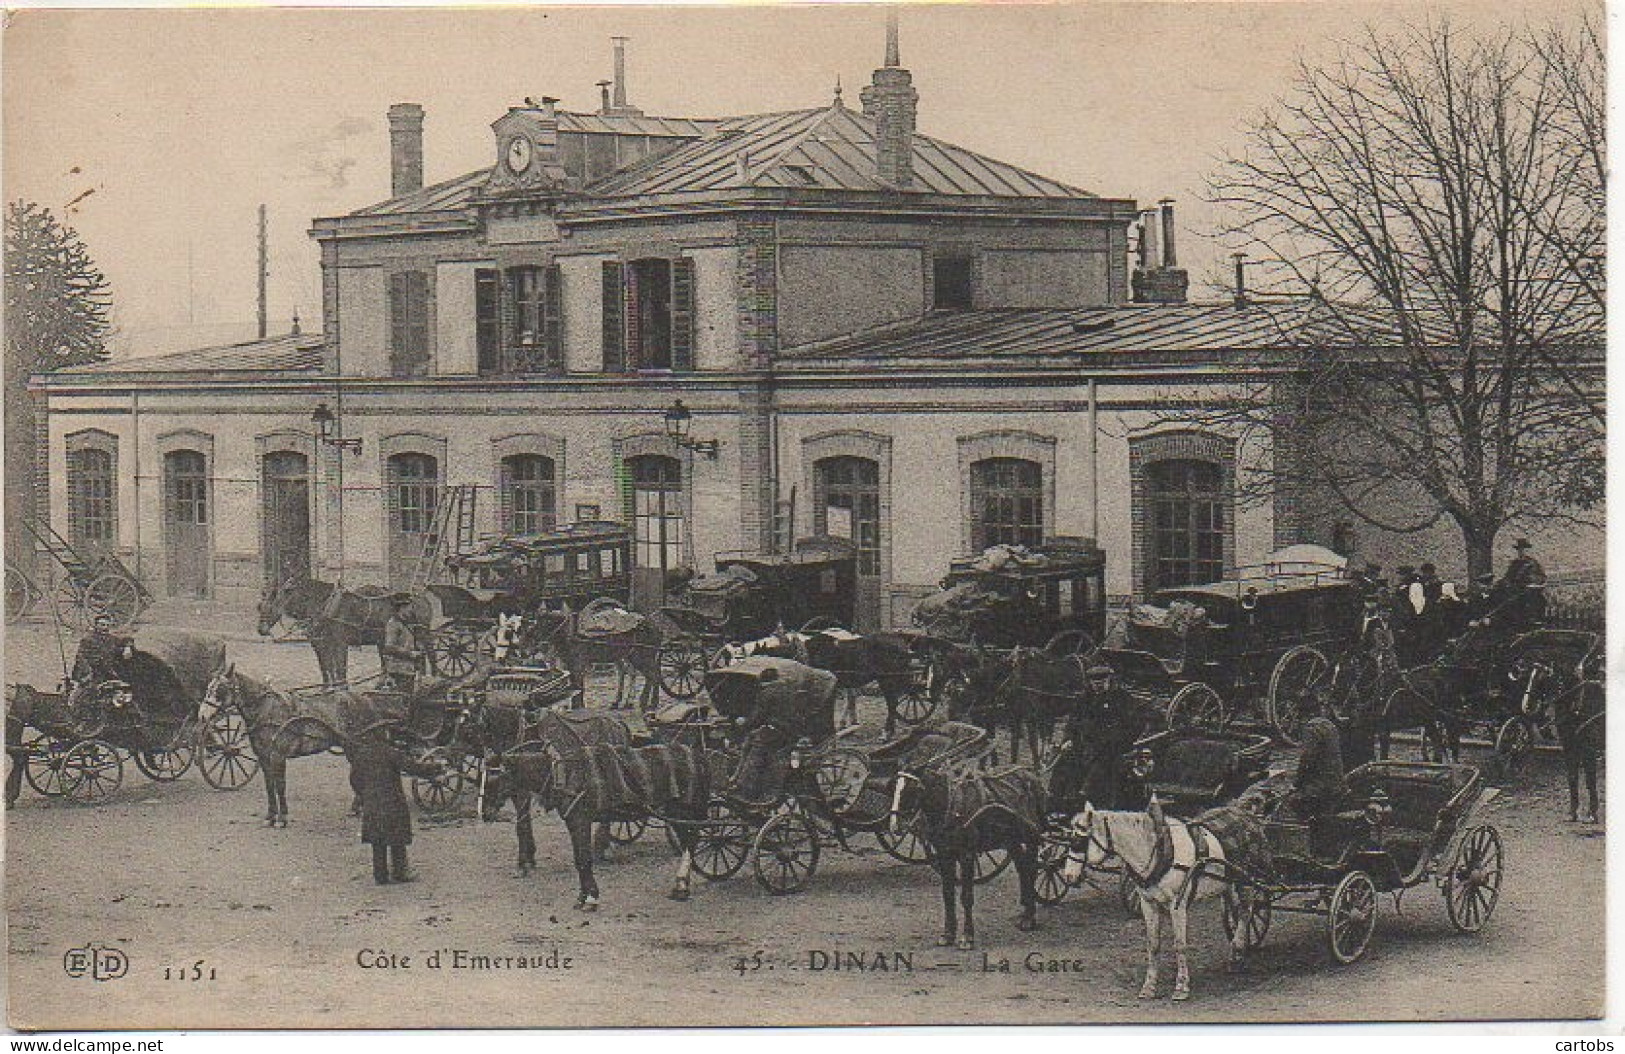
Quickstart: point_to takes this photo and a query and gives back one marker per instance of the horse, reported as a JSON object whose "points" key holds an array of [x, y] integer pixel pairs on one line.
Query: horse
{"points": [[283, 726], [634, 652], [1579, 715], [1168, 861], [606, 783], [569, 732], [335, 619], [885, 660], [959, 815]]}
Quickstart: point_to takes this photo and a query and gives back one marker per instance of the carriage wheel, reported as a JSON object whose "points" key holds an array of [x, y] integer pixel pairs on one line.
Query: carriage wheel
{"points": [[683, 663], [70, 604], [905, 845], [721, 842], [625, 832], [165, 765], [93, 770], [785, 854], [453, 649], [19, 595], [916, 704], [1514, 743], [1473, 884], [1070, 642], [1352, 917], [225, 755], [820, 624], [1050, 884], [1197, 706], [1247, 909], [441, 793], [1295, 674], [43, 769], [115, 596], [990, 864]]}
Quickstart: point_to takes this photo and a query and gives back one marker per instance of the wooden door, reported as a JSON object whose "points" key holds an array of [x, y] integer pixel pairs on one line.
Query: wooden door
{"points": [[413, 486], [286, 512], [657, 526], [847, 505], [187, 523]]}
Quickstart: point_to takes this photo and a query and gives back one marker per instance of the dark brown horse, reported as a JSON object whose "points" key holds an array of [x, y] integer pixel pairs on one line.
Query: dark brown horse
{"points": [[960, 815], [885, 660], [334, 619], [559, 635], [1579, 715]]}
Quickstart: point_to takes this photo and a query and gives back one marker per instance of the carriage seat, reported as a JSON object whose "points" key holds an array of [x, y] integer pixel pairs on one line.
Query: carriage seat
{"points": [[1194, 771]]}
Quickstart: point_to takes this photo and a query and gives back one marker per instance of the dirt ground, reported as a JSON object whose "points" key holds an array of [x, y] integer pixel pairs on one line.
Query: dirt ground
{"points": [[226, 923]]}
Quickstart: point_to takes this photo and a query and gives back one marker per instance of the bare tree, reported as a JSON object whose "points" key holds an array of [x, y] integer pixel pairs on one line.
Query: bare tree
{"points": [[1422, 193]]}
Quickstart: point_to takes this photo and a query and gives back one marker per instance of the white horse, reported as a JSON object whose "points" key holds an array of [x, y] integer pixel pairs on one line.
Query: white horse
{"points": [[1172, 864]]}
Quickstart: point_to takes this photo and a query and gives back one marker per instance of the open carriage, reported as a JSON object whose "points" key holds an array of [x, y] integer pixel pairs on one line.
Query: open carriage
{"points": [[148, 708], [1205, 652], [1404, 824]]}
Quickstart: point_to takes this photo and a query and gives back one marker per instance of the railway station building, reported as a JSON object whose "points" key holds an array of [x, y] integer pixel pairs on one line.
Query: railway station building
{"points": [[873, 333]]}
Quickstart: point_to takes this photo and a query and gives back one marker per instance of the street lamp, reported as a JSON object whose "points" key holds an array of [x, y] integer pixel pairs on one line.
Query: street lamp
{"points": [[678, 422], [326, 425]]}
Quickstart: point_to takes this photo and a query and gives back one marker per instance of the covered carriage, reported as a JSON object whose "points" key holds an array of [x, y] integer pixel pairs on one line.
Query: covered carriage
{"points": [[148, 706], [1052, 596]]}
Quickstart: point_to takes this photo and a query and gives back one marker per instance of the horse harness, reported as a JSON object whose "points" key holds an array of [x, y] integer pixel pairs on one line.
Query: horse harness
{"points": [[1163, 860]]}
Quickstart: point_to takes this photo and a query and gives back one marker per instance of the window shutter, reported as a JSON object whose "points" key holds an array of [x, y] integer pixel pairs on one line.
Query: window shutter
{"points": [[682, 314], [418, 321], [398, 358], [632, 312], [505, 491], [487, 321], [553, 317], [614, 319]]}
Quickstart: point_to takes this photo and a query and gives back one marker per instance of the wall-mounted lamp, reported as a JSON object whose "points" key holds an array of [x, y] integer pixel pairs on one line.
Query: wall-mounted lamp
{"points": [[678, 422], [326, 425]]}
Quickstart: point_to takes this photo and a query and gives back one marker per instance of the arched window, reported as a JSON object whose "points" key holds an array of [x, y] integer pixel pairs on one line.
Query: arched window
{"points": [[1185, 500], [92, 499], [529, 500], [1007, 502], [657, 511], [413, 491], [846, 504]]}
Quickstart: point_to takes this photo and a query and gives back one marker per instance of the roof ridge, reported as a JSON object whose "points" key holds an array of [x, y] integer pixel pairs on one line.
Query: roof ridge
{"points": [[795, 142], [946, 147]]}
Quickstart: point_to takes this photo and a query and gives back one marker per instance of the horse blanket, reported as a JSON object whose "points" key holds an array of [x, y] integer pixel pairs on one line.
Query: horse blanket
{"points": [[1015, 792], [610, 780], [1241, 832]]}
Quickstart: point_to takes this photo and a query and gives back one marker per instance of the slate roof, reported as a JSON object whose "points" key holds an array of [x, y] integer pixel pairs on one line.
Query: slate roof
{"points": [[831, 148], [291, 353], [1062, 335], [451, 196]]}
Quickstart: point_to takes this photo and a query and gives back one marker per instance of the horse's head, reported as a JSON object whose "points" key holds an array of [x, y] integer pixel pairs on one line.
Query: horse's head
{"points": [[221, 692], [510, 629], [274, 605], [503, 774], [1088, 843]]}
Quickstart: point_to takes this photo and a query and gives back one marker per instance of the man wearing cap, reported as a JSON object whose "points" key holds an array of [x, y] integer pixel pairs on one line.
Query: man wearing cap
{"points": [[376, 765], [99, 652], [398, 651], [1101, 732]]}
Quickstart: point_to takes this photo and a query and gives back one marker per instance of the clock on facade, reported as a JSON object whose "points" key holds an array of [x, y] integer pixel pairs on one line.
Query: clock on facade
{"points": [[518, 154]]}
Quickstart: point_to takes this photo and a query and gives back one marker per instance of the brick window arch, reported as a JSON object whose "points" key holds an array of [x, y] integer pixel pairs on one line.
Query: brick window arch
{"points": [[1007, 488], [1184, 507], [92, 477]]}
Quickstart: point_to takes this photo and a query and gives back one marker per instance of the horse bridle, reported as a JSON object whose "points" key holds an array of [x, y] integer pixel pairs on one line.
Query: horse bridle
{"points": [[1107, 846]]}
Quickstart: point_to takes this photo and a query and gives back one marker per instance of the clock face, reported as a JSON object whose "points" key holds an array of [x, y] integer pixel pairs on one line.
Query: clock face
{"points": [[518, 154]]}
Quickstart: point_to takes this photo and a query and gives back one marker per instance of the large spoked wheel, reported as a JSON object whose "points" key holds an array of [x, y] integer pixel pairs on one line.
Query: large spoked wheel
{"points": [[1514, 743], [1070, 642], [1296, 674], [1050, 884], [683, 662], [168, 764], [721, 843], [43, 770], [1247, 912], [905, 845], [1352, 917], [441, 793], [820, 623], [70, 604], [115, 596], [93, 770], [1473, 884], [990, 864], [19, 595], [1197, 706], [454, 648], [625, 832], [916, 704], [225, 756], [786, 853]]}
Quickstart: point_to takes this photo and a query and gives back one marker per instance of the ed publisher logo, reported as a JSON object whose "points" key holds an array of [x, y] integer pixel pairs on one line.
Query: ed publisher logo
{"points": [[98, 962]]}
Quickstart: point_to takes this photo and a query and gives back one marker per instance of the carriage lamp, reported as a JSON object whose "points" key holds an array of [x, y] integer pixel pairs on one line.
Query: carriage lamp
{"points": [[1377, 809], [798, 755], [326, 425], [678, 422]]}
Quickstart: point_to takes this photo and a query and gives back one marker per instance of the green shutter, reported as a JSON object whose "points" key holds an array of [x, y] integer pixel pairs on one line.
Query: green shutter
{"points": [[682, 314], [614, 319], [623, 486], [553, 317]]}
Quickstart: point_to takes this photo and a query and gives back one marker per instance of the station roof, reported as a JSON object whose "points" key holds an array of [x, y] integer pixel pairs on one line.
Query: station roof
{"points": [[290, 353]]}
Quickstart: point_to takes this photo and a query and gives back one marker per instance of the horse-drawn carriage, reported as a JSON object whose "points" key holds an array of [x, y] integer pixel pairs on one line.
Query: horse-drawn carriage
{"points": [[1053, 597], [1206, 651], [148, 707], [1405, 824]]}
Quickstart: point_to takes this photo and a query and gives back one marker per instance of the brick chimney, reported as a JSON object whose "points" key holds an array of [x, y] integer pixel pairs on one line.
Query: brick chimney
{"points": [[1159, 279], [405, 148], [890, 99], [616, 105]]}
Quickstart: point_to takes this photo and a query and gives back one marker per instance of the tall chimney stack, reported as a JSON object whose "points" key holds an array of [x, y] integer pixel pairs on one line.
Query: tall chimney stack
{"points": [[405, 148], [891, 101], [620, 71], [1159, 279], [1169, 257]]}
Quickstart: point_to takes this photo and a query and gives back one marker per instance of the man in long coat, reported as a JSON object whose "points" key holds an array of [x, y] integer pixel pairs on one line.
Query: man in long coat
{"points": [[1319, 787], [376, 765]]}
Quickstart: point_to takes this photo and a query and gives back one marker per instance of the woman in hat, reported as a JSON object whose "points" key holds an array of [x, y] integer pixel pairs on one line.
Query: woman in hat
{"points": [[376, 765]]}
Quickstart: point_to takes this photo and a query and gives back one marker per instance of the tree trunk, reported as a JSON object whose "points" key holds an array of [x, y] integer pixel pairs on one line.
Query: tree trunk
{"points": [[1480, 544]]}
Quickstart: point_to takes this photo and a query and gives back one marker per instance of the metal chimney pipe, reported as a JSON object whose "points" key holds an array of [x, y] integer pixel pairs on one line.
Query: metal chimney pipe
{"points": [[620, 70], [603, 96], [1150, 253], [1241, 278], [1169, 257]]}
